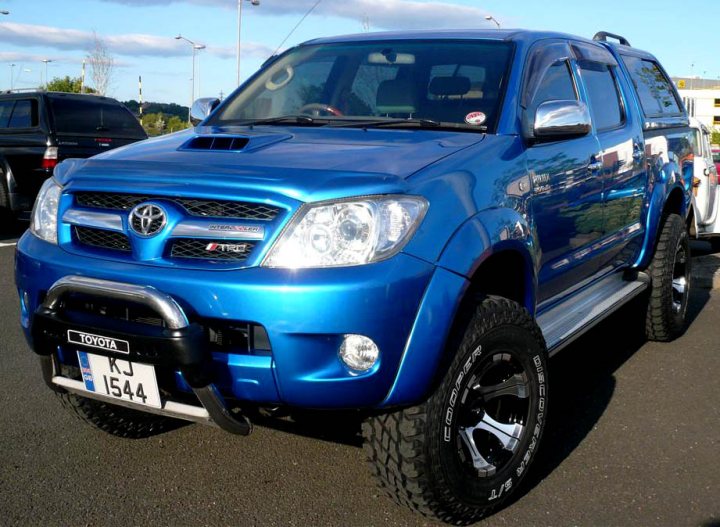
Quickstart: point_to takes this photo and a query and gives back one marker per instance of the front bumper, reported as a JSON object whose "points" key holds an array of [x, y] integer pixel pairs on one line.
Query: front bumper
{"points": [[305, 313]]}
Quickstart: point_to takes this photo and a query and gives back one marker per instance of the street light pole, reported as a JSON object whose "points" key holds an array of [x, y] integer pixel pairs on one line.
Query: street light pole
{"points": [[195, 48], [12, 77], [491, 18], [239, 31], [46, 61]]}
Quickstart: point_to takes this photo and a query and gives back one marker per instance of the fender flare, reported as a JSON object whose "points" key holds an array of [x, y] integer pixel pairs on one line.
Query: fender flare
{"points": [[669, 180], [488, 233]]}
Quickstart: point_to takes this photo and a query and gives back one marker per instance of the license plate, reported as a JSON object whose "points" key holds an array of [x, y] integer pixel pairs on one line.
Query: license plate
{"points": [[120, 379]]}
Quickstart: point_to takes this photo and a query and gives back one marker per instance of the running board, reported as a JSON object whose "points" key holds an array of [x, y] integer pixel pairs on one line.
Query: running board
{"points": [[567, 321]]}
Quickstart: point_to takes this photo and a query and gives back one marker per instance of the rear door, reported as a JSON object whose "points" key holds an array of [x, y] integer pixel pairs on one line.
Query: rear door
{"points": [[86, 126]]}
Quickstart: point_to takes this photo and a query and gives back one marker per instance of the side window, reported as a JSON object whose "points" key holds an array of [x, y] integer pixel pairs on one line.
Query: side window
{"points": [[654, 89], [603, 93], [24, 114], [556, 85], [5, 112]]}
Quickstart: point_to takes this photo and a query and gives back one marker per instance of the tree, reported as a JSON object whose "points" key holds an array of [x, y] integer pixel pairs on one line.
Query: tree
{"points": [[67, 84], [102, 65], [715, 137], [175, 124]]}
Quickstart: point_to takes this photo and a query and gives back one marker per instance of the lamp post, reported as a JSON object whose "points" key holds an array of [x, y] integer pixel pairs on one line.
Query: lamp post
{"points": [[46, 61], [239, 25], [195, 48], [12, 77], [491, 18]]}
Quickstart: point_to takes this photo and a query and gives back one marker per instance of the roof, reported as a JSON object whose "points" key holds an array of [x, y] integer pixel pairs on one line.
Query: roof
{"points": [[527, 36], [450, 34], [55, 94]]}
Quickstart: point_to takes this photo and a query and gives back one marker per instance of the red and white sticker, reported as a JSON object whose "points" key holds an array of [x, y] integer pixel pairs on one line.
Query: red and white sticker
{"points": [[475, 118]]}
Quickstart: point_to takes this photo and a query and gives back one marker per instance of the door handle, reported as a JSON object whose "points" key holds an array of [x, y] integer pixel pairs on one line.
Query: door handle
{"points": [[638, 153], [596, 163]]}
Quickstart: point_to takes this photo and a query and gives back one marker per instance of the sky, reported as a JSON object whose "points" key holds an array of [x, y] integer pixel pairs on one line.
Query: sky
{"points": [[140, 34]]}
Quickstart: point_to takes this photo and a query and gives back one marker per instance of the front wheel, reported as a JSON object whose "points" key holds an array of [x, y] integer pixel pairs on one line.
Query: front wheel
{"points": [[460, 454]]}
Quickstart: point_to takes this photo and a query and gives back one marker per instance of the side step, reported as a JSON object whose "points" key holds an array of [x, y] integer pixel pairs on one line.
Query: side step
{"points": [[565, 322]]}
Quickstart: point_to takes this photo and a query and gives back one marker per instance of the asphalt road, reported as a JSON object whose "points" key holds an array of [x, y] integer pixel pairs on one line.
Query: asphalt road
{"points": [[633, 439]]}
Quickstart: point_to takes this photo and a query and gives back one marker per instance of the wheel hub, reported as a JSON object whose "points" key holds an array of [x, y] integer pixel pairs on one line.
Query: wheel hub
{"points": [[493, 414]]}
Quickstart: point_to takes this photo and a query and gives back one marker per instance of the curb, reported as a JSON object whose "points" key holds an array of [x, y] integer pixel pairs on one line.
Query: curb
{"points": [[706, 271]]}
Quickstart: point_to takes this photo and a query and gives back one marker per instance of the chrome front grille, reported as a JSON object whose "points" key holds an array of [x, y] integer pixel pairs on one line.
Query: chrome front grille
{"points": [[197, 249], [102, 239], [237, 210]]}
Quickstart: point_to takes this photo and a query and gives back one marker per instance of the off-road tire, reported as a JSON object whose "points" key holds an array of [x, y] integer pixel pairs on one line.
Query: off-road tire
{"points": [[409, 451], [116, 420], [663, 321]]}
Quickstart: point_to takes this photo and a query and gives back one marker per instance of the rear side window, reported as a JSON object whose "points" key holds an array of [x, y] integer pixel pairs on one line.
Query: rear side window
{"points": [[654, 88], [24, 114], [21, 113], [603, 93], [97, 118], [6, 108]]}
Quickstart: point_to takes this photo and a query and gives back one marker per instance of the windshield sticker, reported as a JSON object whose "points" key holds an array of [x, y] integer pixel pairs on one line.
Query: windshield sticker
{"points": [[475, 118]]}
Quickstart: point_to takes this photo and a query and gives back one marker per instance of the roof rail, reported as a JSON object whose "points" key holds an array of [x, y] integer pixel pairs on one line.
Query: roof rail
{"points": [[602, 36], [24, 90]]}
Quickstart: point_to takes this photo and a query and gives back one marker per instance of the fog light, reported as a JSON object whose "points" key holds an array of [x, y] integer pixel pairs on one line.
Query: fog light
{"points": [[359, 353]]}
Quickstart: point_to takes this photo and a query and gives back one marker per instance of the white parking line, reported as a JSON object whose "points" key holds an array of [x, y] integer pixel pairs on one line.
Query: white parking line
{"points": [[13, 244]]}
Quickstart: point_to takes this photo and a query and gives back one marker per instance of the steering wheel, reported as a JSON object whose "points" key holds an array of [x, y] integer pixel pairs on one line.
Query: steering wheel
{"points": [[316, 109]]}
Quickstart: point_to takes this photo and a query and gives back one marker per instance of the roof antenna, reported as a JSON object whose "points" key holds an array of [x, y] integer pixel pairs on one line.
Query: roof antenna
{"points": [[297, 26]]}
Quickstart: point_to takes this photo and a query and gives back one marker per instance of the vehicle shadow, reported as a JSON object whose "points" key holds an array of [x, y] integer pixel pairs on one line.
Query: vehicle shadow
{"points": [[583, 384], [11, 230]]}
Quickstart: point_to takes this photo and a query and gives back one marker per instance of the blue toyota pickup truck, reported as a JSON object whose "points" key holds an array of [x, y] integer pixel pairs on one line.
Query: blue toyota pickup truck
{"points": [[404, 226]]}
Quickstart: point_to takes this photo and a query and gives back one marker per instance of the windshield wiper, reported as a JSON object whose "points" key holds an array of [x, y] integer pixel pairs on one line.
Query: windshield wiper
{"points": [[390, 123], [302, 120]]}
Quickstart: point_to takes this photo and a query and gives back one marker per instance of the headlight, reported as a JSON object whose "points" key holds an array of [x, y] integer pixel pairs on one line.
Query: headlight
{"points": [[45, 213], [350, 232]]}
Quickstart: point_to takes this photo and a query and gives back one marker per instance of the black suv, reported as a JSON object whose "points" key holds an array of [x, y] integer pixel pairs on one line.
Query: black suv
{"points": [[40, 129]]}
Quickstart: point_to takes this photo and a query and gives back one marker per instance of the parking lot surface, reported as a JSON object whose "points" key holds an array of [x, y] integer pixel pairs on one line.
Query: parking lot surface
{"points": [[633, 438]]}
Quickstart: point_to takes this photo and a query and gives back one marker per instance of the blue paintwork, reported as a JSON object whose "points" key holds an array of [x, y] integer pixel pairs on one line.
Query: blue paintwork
{"points": [[488, 194]]}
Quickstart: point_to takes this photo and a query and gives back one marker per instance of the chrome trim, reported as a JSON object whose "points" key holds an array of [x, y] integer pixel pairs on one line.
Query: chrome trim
{"points": [[221, 231], [163, 304], [99, 220], [202, 108], [195, 414], [561, 119]]}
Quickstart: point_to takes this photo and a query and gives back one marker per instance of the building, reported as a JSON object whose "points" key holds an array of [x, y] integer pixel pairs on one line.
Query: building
{"points": [[701, 98]]}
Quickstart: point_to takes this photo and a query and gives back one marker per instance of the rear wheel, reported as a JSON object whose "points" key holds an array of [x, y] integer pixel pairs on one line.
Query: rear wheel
{"points": [[670, 274], [460, 454]]}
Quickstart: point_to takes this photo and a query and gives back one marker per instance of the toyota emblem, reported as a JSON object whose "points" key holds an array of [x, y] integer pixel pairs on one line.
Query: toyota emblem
{"points": [[147, 219]]}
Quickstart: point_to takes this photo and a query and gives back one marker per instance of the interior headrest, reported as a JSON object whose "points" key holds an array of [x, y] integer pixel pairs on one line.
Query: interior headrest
{"points": [[449, 86]]}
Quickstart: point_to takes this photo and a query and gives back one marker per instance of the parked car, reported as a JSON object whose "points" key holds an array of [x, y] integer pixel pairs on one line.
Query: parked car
{"points": [[706, 224], [39, 129], [402, 226], [716, 157]]}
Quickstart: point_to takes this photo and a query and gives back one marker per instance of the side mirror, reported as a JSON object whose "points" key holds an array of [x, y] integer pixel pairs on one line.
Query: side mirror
{"points": [[202, 108], [560, 120]]}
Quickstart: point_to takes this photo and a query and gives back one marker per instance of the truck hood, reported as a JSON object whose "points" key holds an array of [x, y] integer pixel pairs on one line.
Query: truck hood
{"points": [[307, 164]]}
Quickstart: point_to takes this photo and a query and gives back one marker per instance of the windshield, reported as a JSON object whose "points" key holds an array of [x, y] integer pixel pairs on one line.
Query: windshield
{"points": [[439, 83], [93, 117]]}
